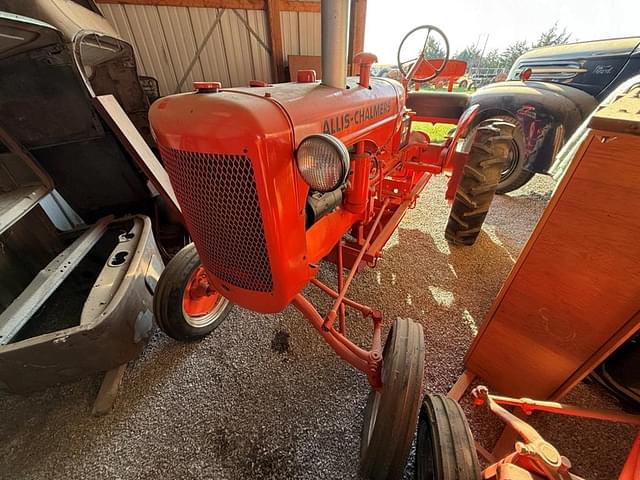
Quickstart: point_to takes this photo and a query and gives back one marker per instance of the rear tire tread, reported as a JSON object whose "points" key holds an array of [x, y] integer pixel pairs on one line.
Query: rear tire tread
{"points": [[479, 181]]}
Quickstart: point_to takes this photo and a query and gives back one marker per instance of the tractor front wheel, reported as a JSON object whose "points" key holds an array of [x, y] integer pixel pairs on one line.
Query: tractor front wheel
{"points": [[445, 449], [185, 305], [391, 413], [487, 159]]}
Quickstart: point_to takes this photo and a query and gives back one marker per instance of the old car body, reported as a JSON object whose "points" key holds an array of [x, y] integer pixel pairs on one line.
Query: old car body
{"points": [[78, 258], [563, 85]]}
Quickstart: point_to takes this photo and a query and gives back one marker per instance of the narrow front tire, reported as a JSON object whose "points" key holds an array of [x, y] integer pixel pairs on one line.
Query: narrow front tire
{"points": [[445, 449], [391, 414], [185, 305]]}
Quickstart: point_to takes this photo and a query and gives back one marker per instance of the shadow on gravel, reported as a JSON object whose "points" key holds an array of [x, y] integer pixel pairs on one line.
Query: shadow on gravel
{"points": [[264, 397], [506, 209], [448, 293]]}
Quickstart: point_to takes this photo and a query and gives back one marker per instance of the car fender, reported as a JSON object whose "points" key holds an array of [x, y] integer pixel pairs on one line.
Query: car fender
{"points": [[548, 113]]}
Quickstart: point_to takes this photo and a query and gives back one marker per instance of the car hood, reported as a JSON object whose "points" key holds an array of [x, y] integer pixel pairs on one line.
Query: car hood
{"points": [[582, 50]]}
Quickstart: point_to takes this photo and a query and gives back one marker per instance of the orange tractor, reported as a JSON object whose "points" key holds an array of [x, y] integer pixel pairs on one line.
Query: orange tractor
{"points": [[273, 179]]}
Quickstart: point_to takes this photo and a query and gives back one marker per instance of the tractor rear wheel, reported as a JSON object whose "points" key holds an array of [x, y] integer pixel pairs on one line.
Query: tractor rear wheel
{"points": [[391, 414], [185, 305], [487, 159], [514, 175], [444, 448]]}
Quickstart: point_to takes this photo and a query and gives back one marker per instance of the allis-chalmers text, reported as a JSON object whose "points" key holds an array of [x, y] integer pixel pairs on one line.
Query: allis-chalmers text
{"points": [[342, 122]]}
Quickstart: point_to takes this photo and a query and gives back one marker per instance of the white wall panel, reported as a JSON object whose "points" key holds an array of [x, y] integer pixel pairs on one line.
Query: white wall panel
{"points": [[167, 39], [236, 46], [290, 34], [261, 58], [150, 39], [181, 43], [300, 33], [212, 58], [309, 33]]}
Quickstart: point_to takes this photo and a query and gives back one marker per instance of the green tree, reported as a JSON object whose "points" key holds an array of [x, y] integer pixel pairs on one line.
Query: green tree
{"points": [[433, 49], [470, 54], [491, 59], [553, 36], [512, 52]]}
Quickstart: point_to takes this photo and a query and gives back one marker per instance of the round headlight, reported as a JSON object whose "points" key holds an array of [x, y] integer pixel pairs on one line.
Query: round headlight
{"points": [[323, 162]]}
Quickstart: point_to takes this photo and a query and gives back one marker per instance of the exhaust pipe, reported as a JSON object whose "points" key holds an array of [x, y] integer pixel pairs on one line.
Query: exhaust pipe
{"points": [[335, 33]]}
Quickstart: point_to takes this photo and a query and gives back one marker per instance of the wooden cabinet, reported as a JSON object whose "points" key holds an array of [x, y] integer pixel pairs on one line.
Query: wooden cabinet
{"points": [[573, 295]]}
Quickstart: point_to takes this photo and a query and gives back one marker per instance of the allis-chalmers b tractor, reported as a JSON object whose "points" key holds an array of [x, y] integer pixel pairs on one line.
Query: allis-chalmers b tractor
{"points": [[274, 179]]}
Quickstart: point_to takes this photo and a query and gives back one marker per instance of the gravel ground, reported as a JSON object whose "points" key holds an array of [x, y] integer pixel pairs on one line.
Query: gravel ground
{"points": [[264, 397]]}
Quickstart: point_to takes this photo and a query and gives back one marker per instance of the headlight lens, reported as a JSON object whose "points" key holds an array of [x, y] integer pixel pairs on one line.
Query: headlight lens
{"points": [[323, 162]]}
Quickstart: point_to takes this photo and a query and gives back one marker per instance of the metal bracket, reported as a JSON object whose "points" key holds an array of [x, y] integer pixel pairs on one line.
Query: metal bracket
{"points": [[47, 281]]}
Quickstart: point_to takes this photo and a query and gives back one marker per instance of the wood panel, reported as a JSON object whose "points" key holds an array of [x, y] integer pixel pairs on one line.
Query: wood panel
{"points": [[304, 62], [574, 293]]}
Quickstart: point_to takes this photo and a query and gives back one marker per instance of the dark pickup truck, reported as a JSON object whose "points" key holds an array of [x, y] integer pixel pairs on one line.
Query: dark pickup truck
{"points": [[548, 93]]}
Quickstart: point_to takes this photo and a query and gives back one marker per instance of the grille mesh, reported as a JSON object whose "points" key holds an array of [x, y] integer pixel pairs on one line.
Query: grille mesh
{"points": [[218, 197]]}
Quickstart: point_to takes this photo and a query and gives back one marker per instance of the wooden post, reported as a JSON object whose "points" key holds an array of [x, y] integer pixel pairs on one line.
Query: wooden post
{"points": [[462, 384], [108, 391], [275, 34], [357, 18]]}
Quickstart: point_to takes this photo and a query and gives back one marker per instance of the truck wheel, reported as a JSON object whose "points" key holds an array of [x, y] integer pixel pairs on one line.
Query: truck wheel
{"points": [[480, 177], [514, 175], [444, 448], [184, 304], [390, 416]]}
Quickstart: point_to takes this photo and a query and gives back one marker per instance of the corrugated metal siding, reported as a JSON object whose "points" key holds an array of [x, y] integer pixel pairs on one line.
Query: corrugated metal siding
{"points": [[212, 58], [236, 48], [261, 58], [300, 33], [166, 41], [309, 31]]}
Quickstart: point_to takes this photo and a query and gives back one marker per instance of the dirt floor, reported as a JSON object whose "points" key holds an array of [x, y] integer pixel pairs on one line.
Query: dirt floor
{"points": [[263, 397]]}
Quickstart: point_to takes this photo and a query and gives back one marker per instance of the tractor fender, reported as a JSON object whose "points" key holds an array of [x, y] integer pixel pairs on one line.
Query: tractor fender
{"points": [[547, 112]]}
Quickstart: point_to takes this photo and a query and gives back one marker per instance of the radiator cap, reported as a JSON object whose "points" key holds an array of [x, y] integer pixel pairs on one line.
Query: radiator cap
{"points": [[207, 87]]}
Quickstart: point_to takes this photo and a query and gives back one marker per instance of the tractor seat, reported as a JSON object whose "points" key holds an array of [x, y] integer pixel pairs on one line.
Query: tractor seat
{"points": [[438, 106]]}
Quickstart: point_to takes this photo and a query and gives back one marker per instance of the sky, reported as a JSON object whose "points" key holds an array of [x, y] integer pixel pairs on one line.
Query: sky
{"points": [[504, 21]]}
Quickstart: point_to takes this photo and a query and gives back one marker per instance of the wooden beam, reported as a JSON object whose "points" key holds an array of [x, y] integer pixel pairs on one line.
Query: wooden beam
{"points": [[275, 35], [357, 19], [108, 391], [243, 4], [285, 5], [299, 6]]}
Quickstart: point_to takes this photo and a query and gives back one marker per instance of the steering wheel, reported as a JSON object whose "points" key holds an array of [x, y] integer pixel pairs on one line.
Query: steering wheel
{"points": [[409, 68]]}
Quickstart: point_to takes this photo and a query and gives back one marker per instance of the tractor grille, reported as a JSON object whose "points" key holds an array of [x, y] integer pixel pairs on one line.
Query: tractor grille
{"points": [[218, 197]]}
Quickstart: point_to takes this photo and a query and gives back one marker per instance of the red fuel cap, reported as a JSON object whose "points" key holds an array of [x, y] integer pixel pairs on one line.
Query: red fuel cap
{"points": [[207, 87]]}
